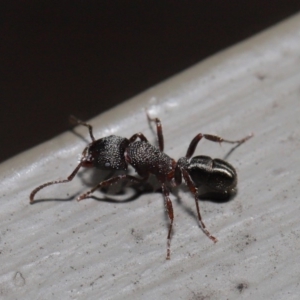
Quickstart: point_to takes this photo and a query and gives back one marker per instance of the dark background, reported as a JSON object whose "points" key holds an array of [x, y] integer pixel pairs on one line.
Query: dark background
{"points": [[83, 57]]}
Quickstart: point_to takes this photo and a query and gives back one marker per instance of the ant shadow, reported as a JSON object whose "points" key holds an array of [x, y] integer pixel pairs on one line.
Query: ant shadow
{"points": [[203, 195], [70, 198], [231, 151], [87, 141], [118, 193]]}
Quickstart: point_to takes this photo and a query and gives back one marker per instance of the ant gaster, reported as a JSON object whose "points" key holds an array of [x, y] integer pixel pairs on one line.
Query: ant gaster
{"points": [[116, 153]]}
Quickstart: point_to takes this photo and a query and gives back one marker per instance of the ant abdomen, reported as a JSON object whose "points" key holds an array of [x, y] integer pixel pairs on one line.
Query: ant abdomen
{"points": [[214, 174]]}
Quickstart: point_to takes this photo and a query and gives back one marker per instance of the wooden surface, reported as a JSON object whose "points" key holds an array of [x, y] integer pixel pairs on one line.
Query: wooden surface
{"points": [[102, 250]]}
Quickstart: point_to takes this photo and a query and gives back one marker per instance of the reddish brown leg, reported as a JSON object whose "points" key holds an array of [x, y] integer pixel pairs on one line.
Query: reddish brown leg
{"points": [[111, 181], [213, 138], [76, 121], [169, 209], [138, 135], [159, 131], [31, 197], [194, 191]]}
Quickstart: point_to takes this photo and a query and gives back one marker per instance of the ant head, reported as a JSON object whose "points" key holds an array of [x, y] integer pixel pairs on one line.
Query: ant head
{"points": [[106, 153]]}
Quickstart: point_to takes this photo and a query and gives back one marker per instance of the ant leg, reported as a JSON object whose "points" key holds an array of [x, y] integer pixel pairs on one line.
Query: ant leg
{"points": [[169, 209], [111, 181], [70, 177], [75, 121], [159, 131], [159, 134], [194, 191], [138, 135], [212, 138]]}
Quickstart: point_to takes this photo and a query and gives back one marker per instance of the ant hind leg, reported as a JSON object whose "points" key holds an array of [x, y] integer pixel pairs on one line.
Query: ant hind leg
{"points": [[169, 209], [212, 138], [193, 189]]}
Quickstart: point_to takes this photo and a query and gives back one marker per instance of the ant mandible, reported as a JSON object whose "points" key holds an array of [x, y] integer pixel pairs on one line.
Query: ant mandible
{"points": [[116, 153]]}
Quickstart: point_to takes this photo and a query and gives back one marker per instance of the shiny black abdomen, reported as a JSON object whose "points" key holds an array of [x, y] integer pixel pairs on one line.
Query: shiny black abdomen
{"points": [[216, 174]]}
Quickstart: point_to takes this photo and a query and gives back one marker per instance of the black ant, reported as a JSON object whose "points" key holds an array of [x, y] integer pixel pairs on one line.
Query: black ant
{"points": [[116, 153]]}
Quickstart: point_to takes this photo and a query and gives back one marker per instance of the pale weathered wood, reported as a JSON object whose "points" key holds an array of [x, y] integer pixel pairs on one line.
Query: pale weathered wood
{"points": [[101, 250]]}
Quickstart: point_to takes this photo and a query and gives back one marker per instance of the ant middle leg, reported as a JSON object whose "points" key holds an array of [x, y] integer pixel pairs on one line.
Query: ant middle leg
{"points": [[212, 138], [111, 181], [193, 189], [169, 209]]}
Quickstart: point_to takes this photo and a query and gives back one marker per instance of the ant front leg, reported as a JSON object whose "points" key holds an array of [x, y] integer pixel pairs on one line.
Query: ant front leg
{"points": [[194, 191], [70, 177], [159, 131], [212, 138], [111, 181], [75, 121], [169, 209]]}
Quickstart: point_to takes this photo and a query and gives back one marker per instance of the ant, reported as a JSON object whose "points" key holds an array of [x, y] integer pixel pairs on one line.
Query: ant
{"points": [[116, 153]]}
